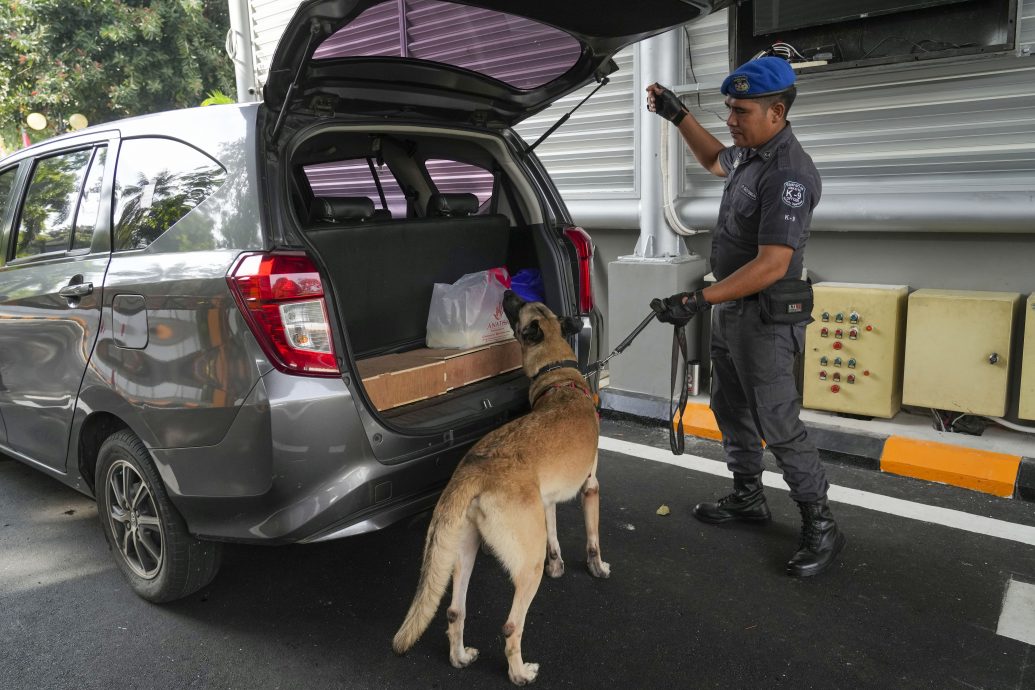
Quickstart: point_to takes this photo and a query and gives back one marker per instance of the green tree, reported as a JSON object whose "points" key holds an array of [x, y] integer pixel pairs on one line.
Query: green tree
{"points": [[108, 59]]}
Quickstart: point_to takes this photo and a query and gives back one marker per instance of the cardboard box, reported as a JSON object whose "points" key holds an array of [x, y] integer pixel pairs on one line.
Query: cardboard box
{"points": [[406, 377]]}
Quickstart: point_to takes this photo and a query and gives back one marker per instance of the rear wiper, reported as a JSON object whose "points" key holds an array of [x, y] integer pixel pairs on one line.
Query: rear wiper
{"points": [[564, 118], [315, 29]]}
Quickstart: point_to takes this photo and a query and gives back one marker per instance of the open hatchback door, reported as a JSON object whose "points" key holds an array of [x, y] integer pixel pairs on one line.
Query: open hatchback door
{"points": [[495, 61]]}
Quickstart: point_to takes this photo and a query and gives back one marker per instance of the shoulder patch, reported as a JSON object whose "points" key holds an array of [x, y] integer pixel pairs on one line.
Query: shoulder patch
{"points": [[793, 194]]}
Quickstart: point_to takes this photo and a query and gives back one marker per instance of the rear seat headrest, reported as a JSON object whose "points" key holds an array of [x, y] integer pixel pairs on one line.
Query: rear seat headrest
{"points": [[340, 209], [452, 205]]}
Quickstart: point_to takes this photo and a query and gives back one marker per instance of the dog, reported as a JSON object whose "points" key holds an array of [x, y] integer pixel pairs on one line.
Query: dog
{"points": [[506, 488]]}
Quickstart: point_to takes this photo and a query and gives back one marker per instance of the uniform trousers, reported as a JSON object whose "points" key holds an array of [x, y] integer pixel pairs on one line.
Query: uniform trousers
{"points": [[754, 397]]}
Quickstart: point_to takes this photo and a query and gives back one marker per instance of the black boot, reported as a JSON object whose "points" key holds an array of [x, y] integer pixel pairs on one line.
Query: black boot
{"points": [[820, 543], [747, 502]]}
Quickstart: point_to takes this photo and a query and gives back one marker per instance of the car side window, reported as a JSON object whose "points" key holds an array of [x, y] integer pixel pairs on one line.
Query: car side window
{"points": [[48, 214], [450, 177], [90, 204], [157, 182]]}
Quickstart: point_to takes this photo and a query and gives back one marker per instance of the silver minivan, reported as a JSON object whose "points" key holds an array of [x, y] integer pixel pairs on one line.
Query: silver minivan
{"points": [[184, 297]]}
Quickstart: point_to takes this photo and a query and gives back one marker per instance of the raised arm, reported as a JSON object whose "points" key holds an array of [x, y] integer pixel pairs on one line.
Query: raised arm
{"points": [[703, 145]]}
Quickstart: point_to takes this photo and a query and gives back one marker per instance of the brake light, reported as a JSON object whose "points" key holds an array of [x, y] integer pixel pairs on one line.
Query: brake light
{"points": [[584, 249], [281, 297]]}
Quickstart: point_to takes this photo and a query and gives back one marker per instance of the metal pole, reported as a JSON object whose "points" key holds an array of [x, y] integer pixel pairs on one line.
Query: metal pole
{"points": [[658, 63], [239, 48]]}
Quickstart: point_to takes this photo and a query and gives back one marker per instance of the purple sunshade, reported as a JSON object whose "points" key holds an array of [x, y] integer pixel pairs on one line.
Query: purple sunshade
{"points": [[514, 50]]}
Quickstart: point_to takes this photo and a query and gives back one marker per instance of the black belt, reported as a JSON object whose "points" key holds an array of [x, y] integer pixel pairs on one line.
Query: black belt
{"points": [[750, 298]]}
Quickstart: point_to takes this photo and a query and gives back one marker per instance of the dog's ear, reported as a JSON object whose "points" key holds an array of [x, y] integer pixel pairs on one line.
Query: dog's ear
{"points": [[532, 333], [570, 325]]}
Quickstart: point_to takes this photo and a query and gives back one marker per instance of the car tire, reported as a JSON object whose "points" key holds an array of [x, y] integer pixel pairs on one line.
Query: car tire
{"points": [[147, 536]]}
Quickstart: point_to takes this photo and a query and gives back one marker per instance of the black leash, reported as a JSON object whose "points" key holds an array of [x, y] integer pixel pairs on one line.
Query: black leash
{"points": [[595, 367], [676, 435]]}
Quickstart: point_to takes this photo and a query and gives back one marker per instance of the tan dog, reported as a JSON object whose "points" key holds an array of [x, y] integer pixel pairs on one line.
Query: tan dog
{"points": [[505, 492]]}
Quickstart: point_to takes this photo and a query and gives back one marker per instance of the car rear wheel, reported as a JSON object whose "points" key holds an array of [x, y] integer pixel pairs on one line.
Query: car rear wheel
{"points": [[149, 540]]}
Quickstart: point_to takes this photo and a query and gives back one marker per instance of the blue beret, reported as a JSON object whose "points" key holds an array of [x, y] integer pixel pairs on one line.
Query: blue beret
{"points": [[761, 77]]}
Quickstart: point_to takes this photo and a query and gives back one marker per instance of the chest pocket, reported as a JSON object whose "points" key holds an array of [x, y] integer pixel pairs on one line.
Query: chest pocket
{"points": [[744, 211]]}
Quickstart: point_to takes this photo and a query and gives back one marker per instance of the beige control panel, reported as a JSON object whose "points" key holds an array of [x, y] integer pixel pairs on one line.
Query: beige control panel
{"points": [[1027, 403], [853, 349], [958, 350]]}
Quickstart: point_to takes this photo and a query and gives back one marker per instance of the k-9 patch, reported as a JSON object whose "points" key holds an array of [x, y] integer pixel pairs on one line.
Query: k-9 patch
{"points": [[793, 194]]}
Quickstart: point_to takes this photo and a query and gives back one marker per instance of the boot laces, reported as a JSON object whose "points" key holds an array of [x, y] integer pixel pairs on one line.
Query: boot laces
{"points": [[809, 532], [730, 497]]}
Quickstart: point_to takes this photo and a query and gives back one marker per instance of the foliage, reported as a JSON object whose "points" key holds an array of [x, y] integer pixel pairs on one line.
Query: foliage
{"points": [[217, 97], [108, 59]]}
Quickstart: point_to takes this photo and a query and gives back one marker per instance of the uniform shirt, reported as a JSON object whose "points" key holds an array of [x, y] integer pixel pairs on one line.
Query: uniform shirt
{"points": [[769, 196]]}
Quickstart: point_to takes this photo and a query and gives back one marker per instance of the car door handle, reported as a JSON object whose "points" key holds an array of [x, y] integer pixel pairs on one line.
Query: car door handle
{"points": [[76, 291]]}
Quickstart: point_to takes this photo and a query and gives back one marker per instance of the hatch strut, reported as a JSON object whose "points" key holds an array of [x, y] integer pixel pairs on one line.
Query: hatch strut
{"points": [[314, 31], [377, 183], [564, 118]]}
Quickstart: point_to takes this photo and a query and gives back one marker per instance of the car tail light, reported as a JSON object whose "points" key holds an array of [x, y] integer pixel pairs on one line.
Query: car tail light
{"points": [[281, 297], [584, 249]]}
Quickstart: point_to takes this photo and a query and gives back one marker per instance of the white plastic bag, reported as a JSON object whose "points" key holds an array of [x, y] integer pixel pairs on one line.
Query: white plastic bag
{"points": [[470, 311]]}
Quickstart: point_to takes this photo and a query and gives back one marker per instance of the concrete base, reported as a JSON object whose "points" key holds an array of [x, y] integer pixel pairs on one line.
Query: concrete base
{"points": [[632, 283]]}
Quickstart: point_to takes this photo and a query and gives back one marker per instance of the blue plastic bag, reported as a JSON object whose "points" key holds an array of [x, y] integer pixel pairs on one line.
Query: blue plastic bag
{"points": [[528, 284]]}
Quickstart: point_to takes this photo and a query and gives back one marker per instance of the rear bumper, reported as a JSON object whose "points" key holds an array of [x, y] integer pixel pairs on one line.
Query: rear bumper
{"points": [[296, 466]]}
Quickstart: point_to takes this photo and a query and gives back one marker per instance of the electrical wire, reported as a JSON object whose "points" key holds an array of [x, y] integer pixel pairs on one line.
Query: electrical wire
{"points": [[690, 58], [938, 419], [1011, 425]]}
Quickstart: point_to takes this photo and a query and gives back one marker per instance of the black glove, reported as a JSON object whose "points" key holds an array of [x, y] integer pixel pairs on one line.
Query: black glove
{"points": [[680, 307], [667, 105]]}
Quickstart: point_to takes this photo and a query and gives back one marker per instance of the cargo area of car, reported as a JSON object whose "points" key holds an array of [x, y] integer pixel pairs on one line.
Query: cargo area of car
{"points": [[392, 213]]}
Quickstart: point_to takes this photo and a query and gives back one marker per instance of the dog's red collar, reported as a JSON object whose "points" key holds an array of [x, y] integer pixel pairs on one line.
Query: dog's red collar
{"points": [[566, 384]]}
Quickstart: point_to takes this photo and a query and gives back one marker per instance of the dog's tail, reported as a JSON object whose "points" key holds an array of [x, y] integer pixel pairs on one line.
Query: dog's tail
{"points": [[440, 553]]}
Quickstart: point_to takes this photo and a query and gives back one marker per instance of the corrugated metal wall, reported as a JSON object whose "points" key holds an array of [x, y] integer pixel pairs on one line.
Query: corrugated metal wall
{"points": [[903, 147], [593, 153], [269, 17]]}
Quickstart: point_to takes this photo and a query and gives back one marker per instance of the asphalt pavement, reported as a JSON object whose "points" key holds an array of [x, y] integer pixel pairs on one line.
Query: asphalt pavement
{"points": [[911, 603]]}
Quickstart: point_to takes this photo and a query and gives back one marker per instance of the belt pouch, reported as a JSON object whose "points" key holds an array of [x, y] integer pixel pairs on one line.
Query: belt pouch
{"points": [[786, 301]]}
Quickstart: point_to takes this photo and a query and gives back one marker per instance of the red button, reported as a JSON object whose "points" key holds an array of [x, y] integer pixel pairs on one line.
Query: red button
{"points": [[866, 373], [835, 388], [869, 328], [837, 345]]}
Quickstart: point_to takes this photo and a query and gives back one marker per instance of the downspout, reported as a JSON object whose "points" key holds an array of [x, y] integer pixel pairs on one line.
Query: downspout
{"points": [[239, 48]]}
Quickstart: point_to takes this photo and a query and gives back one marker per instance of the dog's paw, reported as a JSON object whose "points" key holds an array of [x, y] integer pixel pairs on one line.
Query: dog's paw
{"points": [[597, 568], [464, 658], [527, 674], [555, 568]]}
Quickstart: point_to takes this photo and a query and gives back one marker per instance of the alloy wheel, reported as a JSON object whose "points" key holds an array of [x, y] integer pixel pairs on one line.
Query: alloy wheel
{"points": [[134, 520]]}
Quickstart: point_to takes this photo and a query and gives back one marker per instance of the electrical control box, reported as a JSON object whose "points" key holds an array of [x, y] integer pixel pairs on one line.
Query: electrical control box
{"points": [[958, 350], [853, 349], [1027, 402]]}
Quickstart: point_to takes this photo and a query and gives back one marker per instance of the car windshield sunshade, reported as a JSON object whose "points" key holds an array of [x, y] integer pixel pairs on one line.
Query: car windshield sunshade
{"points": [[520, 52]]}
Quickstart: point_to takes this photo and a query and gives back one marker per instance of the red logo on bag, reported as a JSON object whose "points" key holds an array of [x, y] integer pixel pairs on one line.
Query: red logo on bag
{"points": [[498, 314]]}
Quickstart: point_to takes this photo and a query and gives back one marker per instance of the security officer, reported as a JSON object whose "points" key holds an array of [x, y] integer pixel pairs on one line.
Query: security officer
{"points": [[771, 190]]}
